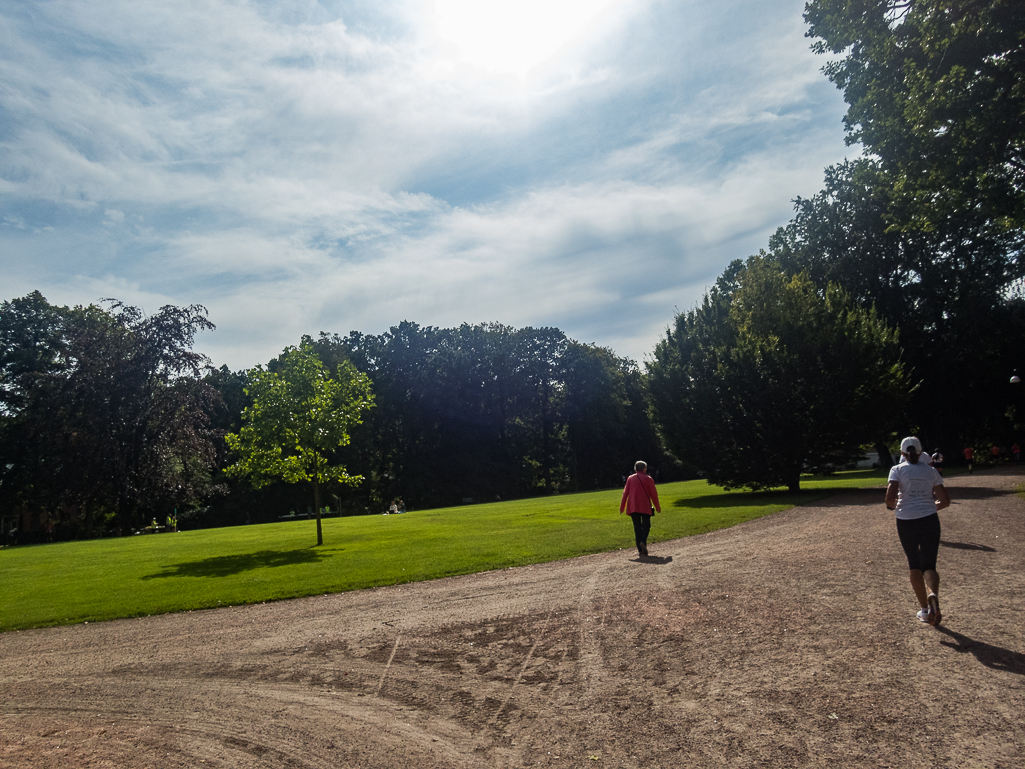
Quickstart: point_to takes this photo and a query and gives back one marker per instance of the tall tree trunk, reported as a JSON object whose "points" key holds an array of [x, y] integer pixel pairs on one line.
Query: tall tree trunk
{"points": [[316, 507]]}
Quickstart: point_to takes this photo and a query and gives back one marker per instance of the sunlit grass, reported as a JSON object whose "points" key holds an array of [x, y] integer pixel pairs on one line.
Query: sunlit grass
{"points": [[95, 580]]}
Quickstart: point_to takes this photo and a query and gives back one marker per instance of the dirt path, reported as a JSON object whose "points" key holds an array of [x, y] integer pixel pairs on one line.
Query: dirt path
{"points": [[787, 641]]}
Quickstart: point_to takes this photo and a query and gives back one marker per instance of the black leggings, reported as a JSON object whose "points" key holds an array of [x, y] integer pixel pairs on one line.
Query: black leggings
{"points": [[642, 525], [920, 538]]}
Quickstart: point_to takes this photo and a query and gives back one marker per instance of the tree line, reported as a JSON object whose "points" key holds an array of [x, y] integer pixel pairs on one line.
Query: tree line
{"points": [[481, 412], [891, 303], [108, 419]]}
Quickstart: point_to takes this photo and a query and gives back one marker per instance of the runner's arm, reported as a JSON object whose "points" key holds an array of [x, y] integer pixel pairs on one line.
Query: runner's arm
{"points": [[891, 495]]}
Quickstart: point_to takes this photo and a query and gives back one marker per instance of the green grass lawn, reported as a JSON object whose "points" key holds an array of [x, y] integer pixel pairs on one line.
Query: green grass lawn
{"points": [[71, 582]]}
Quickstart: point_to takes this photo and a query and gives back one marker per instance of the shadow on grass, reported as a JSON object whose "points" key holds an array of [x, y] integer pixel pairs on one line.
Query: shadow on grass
{"points": [[995, 657], [226, 565]]}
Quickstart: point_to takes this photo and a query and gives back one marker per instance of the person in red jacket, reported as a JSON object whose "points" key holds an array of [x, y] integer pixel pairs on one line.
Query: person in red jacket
{"points": [[640, 500]]}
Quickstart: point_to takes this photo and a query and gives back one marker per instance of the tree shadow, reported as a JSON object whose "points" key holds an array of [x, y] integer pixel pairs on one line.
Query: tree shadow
{"points": [[995, 657], [979, 492], [968, 546], [226, 565], [844, 494], [745, 499]]}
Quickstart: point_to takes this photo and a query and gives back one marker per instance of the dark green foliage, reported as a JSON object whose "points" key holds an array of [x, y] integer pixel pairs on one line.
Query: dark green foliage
{"points": [[486, 411], [767, 379], [952, 291], [103, 412], [928, 226], [470, 413], [936, 91]]}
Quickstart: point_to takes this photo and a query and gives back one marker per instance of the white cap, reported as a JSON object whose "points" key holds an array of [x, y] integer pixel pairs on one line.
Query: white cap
{"points": [[911, 442]]}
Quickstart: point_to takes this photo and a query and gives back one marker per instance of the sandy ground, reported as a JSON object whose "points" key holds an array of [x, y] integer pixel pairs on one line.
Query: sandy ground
{"points": [[787, 641]]}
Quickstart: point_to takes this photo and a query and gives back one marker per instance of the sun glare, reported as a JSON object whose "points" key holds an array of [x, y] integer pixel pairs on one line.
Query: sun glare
{"points": [[516, 36]]}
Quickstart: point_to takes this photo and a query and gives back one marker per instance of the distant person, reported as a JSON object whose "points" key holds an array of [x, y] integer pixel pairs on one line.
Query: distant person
{"points": [[1016, 452], [393, 508], [402, 506], [916, 492], [937, 461], [969, 454], [640, 500], [994, 454]]}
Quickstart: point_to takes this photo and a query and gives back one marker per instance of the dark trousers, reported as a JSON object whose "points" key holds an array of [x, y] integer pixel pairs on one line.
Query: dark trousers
{"points": [[920, 538], [642, 525]]}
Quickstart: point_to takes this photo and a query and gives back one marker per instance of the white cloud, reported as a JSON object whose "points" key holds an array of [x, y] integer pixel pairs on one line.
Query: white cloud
{"points": [[340, 173], [516, 36]]}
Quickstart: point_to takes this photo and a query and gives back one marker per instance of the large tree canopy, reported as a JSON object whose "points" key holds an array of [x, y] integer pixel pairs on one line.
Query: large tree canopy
{"points": [[102, 410], [768, 377], [952, 291], [483, 410], [936, 90], [300, 414]]}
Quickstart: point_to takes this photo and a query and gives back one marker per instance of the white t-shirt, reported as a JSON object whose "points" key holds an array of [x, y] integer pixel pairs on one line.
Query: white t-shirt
{"points": [[914, 495]]}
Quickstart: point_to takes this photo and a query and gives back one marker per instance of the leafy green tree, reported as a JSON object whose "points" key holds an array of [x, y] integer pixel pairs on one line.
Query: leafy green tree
{"points": [[952, 291], [398, 444], [486, 410], [103, 410], [474, 397], [299, 416], [768, 377], [32, 344], [605, 411], [538, 373], [936, 91]]}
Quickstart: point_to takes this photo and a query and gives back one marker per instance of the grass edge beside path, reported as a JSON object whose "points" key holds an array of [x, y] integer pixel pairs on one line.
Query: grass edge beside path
{"points": [[98, 580]]}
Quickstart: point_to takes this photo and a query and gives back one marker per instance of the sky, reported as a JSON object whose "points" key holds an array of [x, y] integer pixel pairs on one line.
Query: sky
{"points": [[299, 166]]}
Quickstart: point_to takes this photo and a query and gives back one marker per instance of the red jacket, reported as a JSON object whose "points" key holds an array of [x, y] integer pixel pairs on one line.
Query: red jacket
{"points": [[639, 495]]}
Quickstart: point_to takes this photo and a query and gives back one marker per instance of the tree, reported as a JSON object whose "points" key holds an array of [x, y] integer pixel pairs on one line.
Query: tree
{"points": [[951, 291], [486, 410], [604, 408], [103, 409], [768, 377], [398, 444], [539, 376], [299, 415], [936, 90], [935, 211]]}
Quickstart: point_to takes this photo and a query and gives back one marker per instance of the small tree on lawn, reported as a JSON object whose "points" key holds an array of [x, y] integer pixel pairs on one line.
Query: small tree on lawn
{"points": [[300, 415]]}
